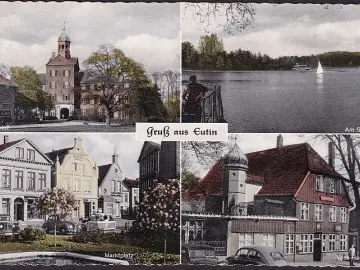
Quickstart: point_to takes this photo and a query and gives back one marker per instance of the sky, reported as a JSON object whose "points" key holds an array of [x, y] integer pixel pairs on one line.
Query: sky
{"points": [[286, 29], [99, 146], [149, 33], [252, 142]]}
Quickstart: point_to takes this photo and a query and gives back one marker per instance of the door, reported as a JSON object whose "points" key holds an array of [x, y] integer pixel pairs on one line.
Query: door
{"points": [[317, 250], [19, 209], [87, 209]]}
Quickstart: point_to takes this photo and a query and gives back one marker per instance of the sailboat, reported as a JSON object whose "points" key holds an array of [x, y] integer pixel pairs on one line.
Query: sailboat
{"points": [[319, 69]]}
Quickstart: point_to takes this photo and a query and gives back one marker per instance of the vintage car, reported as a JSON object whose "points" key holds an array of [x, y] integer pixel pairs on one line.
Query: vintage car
{"points": [[62, 226], [257, 255], [198, 254], [7, 227]]}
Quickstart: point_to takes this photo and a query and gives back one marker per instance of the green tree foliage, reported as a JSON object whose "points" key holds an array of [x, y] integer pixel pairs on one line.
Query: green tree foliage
{"points": [[111, 69], [158, 218], [211, 55], [189, 181], [31, 95], [150, 105]]}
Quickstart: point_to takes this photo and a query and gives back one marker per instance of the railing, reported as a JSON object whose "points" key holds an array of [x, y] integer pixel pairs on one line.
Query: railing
{"points": [[219, 246], [212, 110], [212, 107]]}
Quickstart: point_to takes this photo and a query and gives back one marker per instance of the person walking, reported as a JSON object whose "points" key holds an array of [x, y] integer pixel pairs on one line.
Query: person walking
{"points": [[352, 255], [192, 97]]}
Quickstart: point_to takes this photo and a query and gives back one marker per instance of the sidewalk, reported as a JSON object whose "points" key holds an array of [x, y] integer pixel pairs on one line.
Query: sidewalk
{"points": [[324, 264]]}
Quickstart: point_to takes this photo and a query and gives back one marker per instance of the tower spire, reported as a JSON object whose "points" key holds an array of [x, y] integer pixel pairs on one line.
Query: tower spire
{"points": [[64, 29]]}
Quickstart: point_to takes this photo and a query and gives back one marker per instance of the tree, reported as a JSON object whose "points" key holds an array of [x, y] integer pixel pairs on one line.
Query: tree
{"points": [[189, 56], [149, 104], [31, 95], [158, 219], [232, 17], [56, 201], [189, 181], [210, 47], [111, 70]]}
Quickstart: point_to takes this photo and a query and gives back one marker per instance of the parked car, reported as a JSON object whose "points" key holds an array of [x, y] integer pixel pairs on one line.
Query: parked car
{"points": [[7, 227], [198, 254], [62, 226], [257, 255]]}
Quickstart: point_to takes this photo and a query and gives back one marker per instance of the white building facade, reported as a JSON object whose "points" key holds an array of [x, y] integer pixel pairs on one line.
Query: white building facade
{"points": [[25, 174]]}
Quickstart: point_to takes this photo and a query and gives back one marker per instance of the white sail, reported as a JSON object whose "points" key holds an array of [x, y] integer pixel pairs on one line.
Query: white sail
{"points": [[319, 69]]}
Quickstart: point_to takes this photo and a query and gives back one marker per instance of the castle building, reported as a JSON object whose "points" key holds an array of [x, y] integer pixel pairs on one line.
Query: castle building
{"points": [[63, 79], [75, 171], [286, 197]]}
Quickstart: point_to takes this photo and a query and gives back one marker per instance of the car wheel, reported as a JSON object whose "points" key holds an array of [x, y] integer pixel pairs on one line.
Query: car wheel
{"points": [[63, 231]]}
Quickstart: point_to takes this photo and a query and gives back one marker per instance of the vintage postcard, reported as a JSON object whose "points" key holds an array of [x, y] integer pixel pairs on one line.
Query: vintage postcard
{"points": [[271, 68], [263, 199], [90, 67], [88, 199]]}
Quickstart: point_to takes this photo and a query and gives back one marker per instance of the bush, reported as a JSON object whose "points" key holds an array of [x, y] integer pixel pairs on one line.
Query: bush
{"points": [[155, 258], [98, 237], [32, 234]]}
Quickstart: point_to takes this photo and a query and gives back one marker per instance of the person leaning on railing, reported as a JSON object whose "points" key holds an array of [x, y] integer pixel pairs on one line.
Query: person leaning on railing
{"points": [[193, 97]]}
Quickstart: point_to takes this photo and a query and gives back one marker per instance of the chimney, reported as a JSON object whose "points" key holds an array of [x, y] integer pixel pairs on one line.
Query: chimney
{"points": [[6, 139], [332, 154], [115, 158], [279, 141]]}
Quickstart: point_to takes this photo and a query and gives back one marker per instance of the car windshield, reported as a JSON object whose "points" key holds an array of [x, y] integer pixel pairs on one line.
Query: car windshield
{"points": [[202, 253]]}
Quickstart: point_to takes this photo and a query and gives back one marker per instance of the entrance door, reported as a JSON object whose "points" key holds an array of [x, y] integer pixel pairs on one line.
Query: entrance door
{"points": [[64, 113], [19, 209], [317, 250], [87, 209]]}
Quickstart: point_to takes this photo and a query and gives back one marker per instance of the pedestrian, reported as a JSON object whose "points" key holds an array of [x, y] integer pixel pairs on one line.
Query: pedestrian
{"points": [[352, 255], [193, 97]]}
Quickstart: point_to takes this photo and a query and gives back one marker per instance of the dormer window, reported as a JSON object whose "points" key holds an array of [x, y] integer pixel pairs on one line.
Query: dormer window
{"points": [[319, 186]]}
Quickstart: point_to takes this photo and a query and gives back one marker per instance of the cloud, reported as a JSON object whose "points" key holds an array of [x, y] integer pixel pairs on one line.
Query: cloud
{"points": [[29, 31], [289, 29]]}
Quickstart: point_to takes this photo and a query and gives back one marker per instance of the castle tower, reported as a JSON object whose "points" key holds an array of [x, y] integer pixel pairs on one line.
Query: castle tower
{"points": [[64, 44], [234, 167]]}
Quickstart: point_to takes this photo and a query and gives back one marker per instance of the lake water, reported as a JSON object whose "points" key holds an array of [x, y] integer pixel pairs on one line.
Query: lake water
{"points": [[287, 101]]}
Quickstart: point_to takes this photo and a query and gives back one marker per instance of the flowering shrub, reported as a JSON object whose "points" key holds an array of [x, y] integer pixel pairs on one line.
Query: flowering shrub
{"points": [[146, 258], [158, 218], [56, 201]]}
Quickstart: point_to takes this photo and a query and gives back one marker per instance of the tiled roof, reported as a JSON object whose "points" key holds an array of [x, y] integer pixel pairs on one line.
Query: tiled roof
{"points": [[131, 183], [280, 171], [61, 153], [9, 144], [103, 170], [5, 81]]}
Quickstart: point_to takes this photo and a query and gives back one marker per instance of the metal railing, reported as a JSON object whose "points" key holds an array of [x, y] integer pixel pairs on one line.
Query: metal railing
{"points": [[212, 107]]}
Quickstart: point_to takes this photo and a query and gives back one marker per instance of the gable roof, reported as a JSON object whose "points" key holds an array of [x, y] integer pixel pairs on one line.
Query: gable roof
{"points": [[8, 145], [280, 171], [103, 170], [7, 82], [154, 146], [131, 183], [61, 153], [60, 61]]}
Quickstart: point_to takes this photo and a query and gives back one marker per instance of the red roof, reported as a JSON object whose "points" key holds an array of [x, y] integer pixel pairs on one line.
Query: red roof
{"points": [[131, 182], [280, 171]]}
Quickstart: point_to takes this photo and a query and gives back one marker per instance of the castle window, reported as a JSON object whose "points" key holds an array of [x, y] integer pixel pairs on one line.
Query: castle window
{"points": [[62, 46], [66, 84], [63, 73], [52, 85], [56, 73], [66, 46]]}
